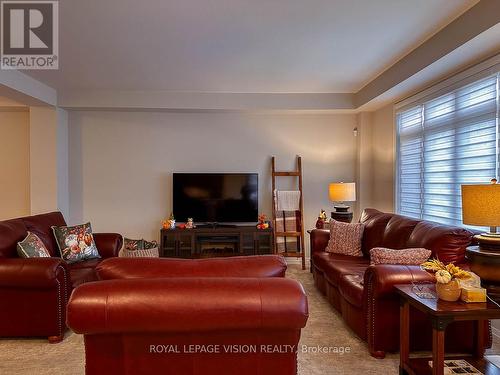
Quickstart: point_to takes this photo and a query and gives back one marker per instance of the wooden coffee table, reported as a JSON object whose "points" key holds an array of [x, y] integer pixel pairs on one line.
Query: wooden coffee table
{"points": [[441, 313]]}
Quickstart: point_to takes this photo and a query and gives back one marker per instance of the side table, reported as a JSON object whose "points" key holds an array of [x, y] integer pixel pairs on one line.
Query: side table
{"points": [[441, 313]]}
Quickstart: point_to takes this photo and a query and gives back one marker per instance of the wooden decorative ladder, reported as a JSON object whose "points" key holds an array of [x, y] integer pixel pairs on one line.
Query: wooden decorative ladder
{"points": [[299, 232]]}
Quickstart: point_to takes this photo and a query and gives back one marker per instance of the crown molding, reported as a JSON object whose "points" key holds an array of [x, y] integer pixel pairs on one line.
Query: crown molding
{"points": [[25, 89]]}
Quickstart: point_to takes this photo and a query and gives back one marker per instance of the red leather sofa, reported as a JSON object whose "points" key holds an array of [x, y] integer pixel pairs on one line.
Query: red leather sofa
{"points": [[213, 316], [364, 295], [34, 292]]}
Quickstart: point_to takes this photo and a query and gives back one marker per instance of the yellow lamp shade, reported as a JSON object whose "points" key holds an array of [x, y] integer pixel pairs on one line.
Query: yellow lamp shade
{"points": [[342, 191], [481, 205]]}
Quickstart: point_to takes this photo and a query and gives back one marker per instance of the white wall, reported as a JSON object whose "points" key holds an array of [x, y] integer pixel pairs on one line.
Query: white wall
{"points": [[49, 160], [14, 164], [43, 160], [364, 166], [375, 159], [383, 158], [121, 163]]}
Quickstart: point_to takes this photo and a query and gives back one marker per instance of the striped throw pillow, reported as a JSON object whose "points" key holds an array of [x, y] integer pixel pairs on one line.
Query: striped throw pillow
{"points": [[139, 249]]}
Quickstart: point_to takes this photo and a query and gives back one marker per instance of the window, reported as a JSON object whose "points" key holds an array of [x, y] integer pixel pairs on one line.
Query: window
{"points": [[443, 143]]}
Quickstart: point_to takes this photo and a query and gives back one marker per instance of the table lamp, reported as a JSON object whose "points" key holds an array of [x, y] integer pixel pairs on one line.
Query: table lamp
{"points": [[481, 207], [341, 192]]}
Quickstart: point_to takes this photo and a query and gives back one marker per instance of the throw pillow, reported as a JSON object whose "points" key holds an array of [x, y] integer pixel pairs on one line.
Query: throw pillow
{"points": [[76, 243], [139, 248], [345, 238], [414, 256], [32, 247]]}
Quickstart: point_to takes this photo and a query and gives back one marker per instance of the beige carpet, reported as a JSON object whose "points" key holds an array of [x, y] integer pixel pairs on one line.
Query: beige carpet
{"points": [[324, 328]]}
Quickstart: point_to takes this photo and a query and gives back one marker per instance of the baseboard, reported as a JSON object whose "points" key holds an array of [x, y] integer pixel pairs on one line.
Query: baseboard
{"points": [[293, 260]]}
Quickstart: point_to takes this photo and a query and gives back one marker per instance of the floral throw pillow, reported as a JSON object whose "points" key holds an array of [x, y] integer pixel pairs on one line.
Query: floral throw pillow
{"points": [[76, 243], [345, 238], [414, 256], [32, 247]]}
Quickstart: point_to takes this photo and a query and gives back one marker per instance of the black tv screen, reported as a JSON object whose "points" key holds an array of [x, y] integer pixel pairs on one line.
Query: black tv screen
{"points": [[216, 197]]}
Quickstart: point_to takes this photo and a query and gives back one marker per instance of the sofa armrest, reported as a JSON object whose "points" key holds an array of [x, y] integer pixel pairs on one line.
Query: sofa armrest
{"points": [[380, 279], [244, 266], [187, 305], [34, 273], [108, 244], [319, 239]]}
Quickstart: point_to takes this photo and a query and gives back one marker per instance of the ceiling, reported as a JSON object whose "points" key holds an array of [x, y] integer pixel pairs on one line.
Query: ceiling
{"points": [[260, 46]]}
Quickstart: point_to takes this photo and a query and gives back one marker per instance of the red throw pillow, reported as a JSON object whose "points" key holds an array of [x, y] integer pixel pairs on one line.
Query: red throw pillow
{"points": [[345, 238], [414, 256]]}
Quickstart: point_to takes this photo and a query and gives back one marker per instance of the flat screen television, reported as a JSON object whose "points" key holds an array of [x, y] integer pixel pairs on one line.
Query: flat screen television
{"points": [[216, 197]]}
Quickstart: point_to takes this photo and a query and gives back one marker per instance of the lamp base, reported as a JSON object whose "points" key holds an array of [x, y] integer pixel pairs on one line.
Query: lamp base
{"points": [[488, 241], [341, 208], [345, 217]]}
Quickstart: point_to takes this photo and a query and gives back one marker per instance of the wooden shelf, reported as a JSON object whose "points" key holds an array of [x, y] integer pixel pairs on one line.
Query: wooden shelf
{"points": [[286, 174], [288, 234], [299, 232]]}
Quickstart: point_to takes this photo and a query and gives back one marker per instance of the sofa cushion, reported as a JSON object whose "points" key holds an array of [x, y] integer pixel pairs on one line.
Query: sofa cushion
{"points": [[84, 271], [397, 232], [322, 259], [335, 271], [80, 276], [89, 263], [41, 226], [334, 266], [448, 243], [11, 232], [351, 288], [375, 223], [32, 247]]}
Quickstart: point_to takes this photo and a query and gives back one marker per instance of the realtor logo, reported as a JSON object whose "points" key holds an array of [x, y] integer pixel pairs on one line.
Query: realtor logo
{"points": [[29, 35]]}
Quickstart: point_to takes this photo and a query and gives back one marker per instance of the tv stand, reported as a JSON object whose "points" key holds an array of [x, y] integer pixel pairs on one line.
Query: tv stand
{"points": [[215, 225], [219, 240]]}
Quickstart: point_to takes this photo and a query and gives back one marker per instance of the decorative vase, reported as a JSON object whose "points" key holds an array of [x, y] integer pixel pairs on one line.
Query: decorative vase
{"points": [[448, 292]]}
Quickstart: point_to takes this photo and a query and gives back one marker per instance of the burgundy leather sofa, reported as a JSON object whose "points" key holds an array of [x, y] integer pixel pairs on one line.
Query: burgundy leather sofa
{"points": [[34, 292], [188, 317], [364, 295]]}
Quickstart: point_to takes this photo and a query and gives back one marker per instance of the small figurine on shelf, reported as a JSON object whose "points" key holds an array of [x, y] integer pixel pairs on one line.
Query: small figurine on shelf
{"points": [[322, 215], [169, 223], [190, 223], [165, 224], [171, 219], [322, 220], [262, 224]]}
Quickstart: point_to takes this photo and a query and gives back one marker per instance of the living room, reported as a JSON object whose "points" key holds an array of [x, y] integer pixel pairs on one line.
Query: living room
{"points": [[327, 106]]}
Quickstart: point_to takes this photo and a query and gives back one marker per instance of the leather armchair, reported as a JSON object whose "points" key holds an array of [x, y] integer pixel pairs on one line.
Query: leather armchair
{"points": [[365, 294], [35, 291], [252, 321]]}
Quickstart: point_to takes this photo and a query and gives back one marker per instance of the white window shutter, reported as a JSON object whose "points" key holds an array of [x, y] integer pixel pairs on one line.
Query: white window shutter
{"points": [[443, 143]]}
